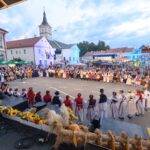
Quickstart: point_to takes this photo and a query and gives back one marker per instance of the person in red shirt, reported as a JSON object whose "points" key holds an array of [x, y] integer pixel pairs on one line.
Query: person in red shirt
{"points": [[31, 96], [79, 107], [47, 97], [68, 102]]}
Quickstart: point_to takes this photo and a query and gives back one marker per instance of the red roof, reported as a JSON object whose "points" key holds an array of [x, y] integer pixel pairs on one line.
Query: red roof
{"points": [[30, 42], [114, 50]]}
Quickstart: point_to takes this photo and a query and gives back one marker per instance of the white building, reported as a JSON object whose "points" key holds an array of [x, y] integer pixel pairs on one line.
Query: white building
{"points": [[2, 44], [36, 50], [64, 53]]}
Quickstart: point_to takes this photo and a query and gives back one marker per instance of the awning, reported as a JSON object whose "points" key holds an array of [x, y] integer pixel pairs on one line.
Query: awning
{"points": [[105, 55], [8, 3]]}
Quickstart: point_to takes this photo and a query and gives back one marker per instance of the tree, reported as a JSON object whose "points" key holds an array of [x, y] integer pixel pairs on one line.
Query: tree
{"points": [[85, 47]]}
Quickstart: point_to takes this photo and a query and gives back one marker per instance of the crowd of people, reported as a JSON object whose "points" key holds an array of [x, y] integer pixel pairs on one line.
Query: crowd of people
{"points": [[120, 105], [13, 73], [127, 75]]}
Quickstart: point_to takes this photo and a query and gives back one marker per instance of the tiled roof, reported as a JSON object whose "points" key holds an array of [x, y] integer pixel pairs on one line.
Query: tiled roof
{"points": [[89, 54], [57, 44], [30, 42], [110, 51]]}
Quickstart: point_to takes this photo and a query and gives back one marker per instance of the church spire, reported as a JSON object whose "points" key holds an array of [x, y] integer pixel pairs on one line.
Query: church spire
{"points": [[44, 22], [45, 29]]}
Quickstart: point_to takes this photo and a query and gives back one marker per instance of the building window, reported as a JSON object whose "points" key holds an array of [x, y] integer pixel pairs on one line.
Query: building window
{"points": [[64, 58], [20, 52], [11, 51], [24, 51], [73, 58], [16, 52], [69, 58], [39, 51]]}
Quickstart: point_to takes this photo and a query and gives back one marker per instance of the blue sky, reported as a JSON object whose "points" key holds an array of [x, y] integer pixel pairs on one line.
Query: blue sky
{"points": [[118, 22]]}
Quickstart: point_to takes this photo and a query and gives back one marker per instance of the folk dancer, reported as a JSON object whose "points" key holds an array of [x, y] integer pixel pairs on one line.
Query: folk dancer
{"points": [[129, 80], [147, 98], [114, 105], [31, 96], [139, 103], [102, 105], [79, 107], [68, 102], [122, 106], [91, 108], [38, 97], [104, 77], [57, 100], [47, 97], [131, 106]]}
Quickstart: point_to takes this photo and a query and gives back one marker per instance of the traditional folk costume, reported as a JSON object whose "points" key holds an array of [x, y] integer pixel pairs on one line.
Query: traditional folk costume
{"points": [[57, 100], [64, 75], [91, 109], [47, 73], [68, 103], [104, 77], [31, 96], [129, 80], [107, 78], [79, 108], [97, 76], [138, 80], [102, 107], [147, 99], [38, 97], [111, 77], [122, 107], [114, 107], [47, 98], [131, 106], [139, 103]]}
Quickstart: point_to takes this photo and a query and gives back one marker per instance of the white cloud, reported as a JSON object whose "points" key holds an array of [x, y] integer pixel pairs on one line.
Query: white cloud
{"points": [[77, 20]]}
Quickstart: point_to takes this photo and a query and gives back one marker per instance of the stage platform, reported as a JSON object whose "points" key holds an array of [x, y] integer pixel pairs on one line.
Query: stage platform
{"points": [[26, 126]]}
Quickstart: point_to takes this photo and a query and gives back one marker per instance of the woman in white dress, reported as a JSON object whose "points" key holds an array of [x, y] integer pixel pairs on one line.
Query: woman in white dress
{"points": [[122, 106], [139, 103], [47, 73], [114, 105], [108, 75], [104, 76], [131, 106], [129, 80]]}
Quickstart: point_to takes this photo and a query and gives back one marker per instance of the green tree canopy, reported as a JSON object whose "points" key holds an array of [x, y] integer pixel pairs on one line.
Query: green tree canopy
{"points": [[85, 47]]}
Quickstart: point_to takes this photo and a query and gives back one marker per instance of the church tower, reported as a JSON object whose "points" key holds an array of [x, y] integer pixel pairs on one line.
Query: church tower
{"points": [[45, 29]]}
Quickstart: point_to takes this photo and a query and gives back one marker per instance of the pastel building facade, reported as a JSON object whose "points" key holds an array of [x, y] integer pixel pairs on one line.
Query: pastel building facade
{"points": [[36, 50], [64, 53]]}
